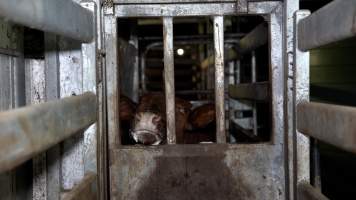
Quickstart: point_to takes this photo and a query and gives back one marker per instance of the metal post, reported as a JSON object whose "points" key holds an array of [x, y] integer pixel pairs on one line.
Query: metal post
{"points": [[219, 78], [253, 80], [301, 87], [169, 78]]}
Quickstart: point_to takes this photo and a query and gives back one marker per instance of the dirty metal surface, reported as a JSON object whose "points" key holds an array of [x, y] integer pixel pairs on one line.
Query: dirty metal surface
{"points": [[314, 31], [24, 134], [71, 84], [215, 171], [35, 93], [254, 39], [70, 19]]}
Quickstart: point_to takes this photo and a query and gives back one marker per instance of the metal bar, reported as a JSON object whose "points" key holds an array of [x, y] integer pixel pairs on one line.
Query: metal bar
{"points": [[170, 1], [301, 93], [254, 39], [112, 81], [10, 52], [308, 192], [290, 7], [24, 133], [169, 78], [219, 78], [85, 190], [64, 18], [329, 123], [252, 91], [174, 10], [254, 108], [52, 66], [315, 31], [35, 90], [202, 37]]}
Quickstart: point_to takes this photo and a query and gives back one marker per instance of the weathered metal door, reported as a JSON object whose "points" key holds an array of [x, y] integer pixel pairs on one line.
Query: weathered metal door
{"points": [[210, 171]]}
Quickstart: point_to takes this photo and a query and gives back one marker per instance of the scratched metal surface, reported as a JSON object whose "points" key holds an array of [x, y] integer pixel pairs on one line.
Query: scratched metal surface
{"points": [[35, 93], [217, 171]]}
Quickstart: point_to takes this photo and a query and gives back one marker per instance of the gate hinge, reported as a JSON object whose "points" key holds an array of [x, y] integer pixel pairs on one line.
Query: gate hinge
{"points": [[99, 71]]}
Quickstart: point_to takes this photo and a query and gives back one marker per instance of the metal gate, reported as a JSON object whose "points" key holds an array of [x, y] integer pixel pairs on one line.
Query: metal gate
{"points": [[214, 171], [332, 124], [54, 134]]}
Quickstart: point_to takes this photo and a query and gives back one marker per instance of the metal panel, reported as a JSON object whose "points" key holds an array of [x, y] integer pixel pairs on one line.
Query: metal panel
{"points": [[308, 192], [314, 31], [253, 91], [331, 124], [301, 88], [213, 171], [65, 18], [219, 78], [24, 134], [169, 79]]}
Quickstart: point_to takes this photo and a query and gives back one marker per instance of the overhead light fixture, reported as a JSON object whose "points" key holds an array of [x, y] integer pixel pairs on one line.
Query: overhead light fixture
{"points": [[180, 52]]}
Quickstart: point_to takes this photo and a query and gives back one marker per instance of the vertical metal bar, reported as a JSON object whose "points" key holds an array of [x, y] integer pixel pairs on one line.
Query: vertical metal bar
{"points": [[112, 81], [169, 78], [219, 78], [301, 88], [112, 97], [35, 87], [52, 93], [290, 6], [253, 80], [89, 55]]}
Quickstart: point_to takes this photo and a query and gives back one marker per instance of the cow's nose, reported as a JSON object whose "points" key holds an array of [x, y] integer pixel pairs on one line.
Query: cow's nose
{"points": [[146, 138]]}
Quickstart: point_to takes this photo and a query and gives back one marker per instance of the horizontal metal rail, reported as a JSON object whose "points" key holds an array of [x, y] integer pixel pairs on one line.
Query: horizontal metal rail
{"points": [[332, 124], [332, 23], [175, 10], [171, 1], [256, 38], [258, 91], [64, 18], [27, 131], [308, 192]]}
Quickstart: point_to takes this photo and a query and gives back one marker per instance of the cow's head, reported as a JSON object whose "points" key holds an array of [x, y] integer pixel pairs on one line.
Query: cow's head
{"points": [[148, 128]]}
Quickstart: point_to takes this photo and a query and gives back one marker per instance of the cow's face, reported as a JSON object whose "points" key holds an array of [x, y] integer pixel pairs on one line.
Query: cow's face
{"points": [[148, 128]]}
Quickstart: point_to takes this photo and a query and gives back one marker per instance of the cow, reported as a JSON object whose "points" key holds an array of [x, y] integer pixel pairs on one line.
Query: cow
{"points": [[148, 123]]}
